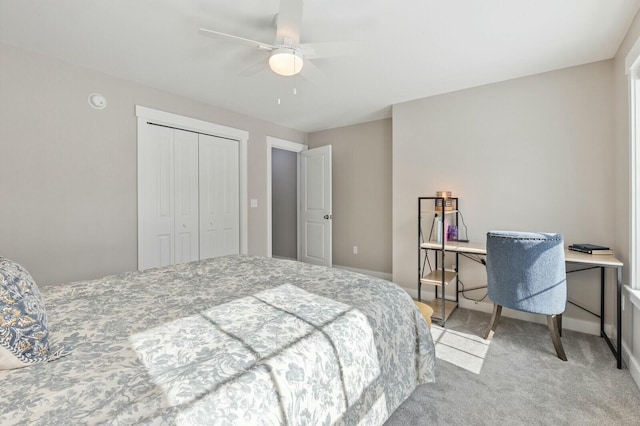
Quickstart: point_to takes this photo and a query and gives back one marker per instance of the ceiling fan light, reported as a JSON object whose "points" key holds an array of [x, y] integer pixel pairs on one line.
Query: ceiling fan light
{"points": [[286, 61]]}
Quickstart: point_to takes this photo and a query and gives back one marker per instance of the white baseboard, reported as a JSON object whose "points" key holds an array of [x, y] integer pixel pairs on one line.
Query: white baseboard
{"points": [[376, 274], [284, 257], [627, 354], [632, 364], [588, 327]]}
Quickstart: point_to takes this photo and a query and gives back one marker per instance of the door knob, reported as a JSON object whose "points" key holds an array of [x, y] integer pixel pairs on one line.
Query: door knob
{"points": [[328, 216]]}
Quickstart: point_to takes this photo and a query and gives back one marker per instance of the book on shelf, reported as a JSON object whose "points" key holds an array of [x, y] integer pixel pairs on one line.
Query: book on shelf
{"points": [[590, 249]]}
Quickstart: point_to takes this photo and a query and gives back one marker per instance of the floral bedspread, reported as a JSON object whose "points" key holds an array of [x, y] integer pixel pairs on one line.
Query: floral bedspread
{"points": [[233, 340]]}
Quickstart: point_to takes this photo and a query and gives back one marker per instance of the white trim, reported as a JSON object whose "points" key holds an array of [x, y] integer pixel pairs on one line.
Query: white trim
{"points": [[188, 123], [285, 144], [244, 214], [634, 296], [288, 146], [633, 56], [375, 274], [634, 161], [632, 62], [146, 114], [627, 354]]}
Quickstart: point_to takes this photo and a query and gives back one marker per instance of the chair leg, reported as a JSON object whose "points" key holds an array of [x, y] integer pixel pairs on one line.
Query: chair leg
{"points": [[493, 324], [559, 320], [553, 326]]}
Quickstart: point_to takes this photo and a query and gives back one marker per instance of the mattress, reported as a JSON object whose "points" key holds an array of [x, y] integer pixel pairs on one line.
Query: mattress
{"points": [[231, 340]]}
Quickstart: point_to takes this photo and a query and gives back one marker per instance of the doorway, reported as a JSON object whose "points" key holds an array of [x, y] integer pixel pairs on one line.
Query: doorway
{"points": [[313, 201], [284, 151], [284, 203]]}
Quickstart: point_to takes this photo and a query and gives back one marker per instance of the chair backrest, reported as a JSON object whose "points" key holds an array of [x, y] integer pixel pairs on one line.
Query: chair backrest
{"points": [[526, 271]]}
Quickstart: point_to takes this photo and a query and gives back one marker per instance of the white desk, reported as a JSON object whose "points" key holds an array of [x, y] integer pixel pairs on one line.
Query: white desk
{"points": [[583, 261]]}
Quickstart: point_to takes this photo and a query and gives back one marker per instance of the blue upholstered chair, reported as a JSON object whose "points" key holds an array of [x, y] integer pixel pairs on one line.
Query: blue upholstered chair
{"points": [[526, 272]]}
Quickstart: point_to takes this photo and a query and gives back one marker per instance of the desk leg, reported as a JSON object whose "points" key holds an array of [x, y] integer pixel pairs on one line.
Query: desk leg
{"points": [[617, 351], [602, 282], [619, 316]]}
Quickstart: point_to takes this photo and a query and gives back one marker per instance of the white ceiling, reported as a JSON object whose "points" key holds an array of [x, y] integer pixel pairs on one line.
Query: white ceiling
{"points": [[408, 49]]}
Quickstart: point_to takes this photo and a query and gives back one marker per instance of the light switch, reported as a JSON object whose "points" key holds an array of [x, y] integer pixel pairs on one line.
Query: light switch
{"points": [[254, 202]]}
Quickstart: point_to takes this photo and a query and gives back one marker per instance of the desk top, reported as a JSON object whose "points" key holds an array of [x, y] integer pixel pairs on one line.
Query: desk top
{"points": [[569, 255]]}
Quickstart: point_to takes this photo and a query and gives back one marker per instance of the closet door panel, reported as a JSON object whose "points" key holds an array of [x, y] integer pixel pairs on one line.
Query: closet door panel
{"points": [[186, 196], [156, 198], [210, 231], [231, 191], [219, 199]]}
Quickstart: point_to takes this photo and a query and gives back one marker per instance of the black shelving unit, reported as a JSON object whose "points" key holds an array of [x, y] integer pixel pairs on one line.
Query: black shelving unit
{"points": [[429, 210]]}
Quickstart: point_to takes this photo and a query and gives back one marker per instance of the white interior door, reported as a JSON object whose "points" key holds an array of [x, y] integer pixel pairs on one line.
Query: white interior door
{"points": [[315, 206], [219, 197]]}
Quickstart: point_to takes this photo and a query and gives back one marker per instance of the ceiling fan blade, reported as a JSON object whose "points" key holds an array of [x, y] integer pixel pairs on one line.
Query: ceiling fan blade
{"points": [[255, 68], [311, 72], [289, 19], [329, 49], [249, 42]]}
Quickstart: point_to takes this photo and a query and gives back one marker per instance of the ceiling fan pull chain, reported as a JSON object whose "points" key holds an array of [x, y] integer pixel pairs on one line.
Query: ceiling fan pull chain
{"points": [[295, 78]]}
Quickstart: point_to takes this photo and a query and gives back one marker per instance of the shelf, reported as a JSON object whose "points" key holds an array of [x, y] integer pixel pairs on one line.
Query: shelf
{"points": [[433, 245], [435, 277], [436, 305], [457, 246], [437, 211]]}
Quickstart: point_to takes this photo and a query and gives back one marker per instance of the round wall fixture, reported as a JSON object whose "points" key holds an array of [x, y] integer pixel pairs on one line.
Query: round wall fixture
{"points": [[97, 101]]}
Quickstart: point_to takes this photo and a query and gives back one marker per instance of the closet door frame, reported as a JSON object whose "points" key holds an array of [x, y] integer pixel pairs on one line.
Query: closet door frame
{"points": [[155, 116]]}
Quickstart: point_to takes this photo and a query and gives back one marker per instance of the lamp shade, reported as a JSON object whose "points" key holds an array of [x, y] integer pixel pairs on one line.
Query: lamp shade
{"points": [[286, 61]]}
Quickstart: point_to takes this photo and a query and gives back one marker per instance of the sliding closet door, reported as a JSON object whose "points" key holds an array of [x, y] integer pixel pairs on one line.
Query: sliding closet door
{"points": [[155, 198], [167, 197], [219, 197], [186, 196]]}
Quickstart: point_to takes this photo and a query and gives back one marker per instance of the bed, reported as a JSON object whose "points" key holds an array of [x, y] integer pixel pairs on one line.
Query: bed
{"points": [[231, 340]]}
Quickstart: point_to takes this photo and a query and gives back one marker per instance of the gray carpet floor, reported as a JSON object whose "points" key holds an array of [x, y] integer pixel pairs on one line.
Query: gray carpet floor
{"points": [[516, 379]]}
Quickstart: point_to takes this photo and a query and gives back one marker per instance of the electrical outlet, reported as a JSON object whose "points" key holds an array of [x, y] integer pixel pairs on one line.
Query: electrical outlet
{"points": [[355, 249]]}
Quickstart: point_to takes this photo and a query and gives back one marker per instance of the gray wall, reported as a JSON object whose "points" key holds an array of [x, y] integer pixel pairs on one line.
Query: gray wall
{"points": [[533, 153], [68, 173], [284, 203], [361, 193]]}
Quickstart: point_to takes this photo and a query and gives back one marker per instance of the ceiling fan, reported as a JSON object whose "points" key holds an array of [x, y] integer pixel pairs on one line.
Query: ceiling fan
{"points": [[287, 55]]}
